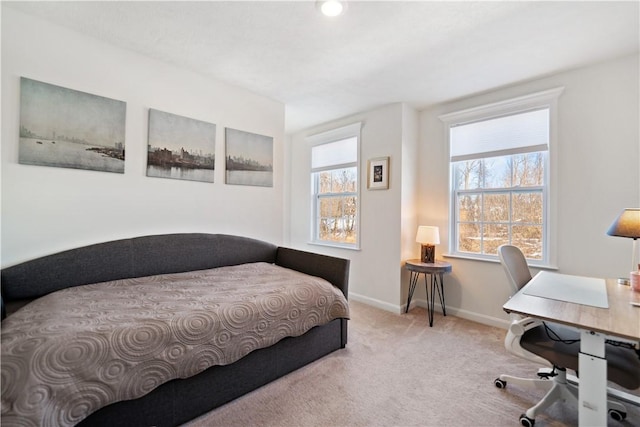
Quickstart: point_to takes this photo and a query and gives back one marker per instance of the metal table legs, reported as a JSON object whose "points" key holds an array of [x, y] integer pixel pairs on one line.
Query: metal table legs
{"points": [[437, 285]]}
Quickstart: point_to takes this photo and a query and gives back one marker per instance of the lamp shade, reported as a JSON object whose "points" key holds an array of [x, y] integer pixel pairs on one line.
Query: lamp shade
{"points": [[428, 234], [627, 224]]}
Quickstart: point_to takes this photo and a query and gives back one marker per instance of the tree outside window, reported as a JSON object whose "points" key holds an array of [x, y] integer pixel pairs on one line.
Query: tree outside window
{"points": [[335, 186], [500, 156], [499, 200], [337, 199]]}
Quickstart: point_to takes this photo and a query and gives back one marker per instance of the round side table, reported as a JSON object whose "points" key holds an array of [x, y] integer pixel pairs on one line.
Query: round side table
{"points": [[436, 271]]}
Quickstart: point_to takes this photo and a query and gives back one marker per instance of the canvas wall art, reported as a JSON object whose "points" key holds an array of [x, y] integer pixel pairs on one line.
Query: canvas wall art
{"points": [[180, 147], [66, 128], [249, 158]]}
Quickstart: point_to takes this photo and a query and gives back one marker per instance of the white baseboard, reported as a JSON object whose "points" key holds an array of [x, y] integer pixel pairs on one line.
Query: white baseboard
{"points": [[454, 311], [376, 303]]}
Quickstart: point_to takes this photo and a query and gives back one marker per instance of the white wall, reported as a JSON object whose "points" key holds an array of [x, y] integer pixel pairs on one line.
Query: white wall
{"points": [[597, 176], [409, 200], [375, 274], [46, 209], [49, 209]]}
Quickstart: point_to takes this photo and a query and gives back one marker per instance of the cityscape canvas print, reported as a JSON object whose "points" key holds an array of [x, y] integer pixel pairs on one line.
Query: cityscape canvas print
{"points": [[180, 147], [66, 128], [249, 158]]}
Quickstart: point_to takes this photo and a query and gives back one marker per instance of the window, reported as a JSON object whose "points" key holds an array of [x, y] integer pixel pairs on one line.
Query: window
{"points": [[335, 186], [501, 177]]}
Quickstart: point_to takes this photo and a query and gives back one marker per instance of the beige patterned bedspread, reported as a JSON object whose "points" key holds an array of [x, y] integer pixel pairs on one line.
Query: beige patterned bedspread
{"points": [[72, 352]]}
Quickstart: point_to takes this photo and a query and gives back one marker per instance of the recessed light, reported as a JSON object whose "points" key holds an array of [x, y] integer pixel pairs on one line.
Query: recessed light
{"points": [[331, 7]]}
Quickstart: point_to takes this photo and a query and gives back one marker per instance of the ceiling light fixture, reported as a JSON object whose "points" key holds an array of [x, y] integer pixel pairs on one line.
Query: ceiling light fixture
{"points": [[331, 7]]}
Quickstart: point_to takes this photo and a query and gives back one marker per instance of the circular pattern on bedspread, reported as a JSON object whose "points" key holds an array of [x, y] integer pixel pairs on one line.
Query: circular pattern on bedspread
{"points": [[337, 309], [28, 345], [176, 352], [262, 326], [294, 313], [144, 378], [272, 304], [51, 328], [284, 329], [14, 370], [311, 319], [76, 408], [244, 345], [35, 397], [113, 370], [200, 359], [141, 341], [235, 316], [84, 352], [197, 327], [17, 420], [222, 338], [322, 301], [302, 293]]}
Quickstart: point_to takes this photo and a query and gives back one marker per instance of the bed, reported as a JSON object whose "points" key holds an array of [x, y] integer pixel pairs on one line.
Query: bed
{"points": [[157, 330]]}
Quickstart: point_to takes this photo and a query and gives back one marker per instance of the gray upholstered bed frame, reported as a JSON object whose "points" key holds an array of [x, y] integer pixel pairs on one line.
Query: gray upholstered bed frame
{"points": [[180, 400]]}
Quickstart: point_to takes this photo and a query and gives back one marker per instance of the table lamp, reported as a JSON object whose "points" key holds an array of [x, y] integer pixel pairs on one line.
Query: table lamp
{"points": [[428, 236], [628, 225]]}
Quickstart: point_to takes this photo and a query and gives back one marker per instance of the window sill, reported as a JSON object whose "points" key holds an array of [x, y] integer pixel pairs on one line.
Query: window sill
{"points": [[334, 245], [531, 264]]}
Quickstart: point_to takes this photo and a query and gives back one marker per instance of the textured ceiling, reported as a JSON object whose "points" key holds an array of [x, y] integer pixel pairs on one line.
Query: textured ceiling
{"points": [[419, 52]]}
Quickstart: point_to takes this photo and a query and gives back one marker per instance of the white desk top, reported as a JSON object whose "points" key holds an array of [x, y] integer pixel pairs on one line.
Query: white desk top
{"points": [[621, 319], [567, 288]]}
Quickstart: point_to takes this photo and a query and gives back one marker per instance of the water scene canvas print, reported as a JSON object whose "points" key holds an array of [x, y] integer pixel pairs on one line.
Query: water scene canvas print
{"points": [[66, 128], [180, 147], [249, 158]]}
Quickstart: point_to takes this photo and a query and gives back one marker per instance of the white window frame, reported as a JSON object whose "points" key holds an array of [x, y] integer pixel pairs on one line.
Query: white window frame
{"points": [[334, 135], [545, 99]]}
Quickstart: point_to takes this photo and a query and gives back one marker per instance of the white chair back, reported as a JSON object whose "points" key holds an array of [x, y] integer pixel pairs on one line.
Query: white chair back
{"points": [[515, 265]]}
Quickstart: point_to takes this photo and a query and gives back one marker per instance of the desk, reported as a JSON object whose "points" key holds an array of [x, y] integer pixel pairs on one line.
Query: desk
{"points": [[620, 321], [436, 271]]}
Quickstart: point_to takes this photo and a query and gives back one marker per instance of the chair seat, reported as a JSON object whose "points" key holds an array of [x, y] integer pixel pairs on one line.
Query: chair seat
{"points": [[558, 353], [623, 364]]}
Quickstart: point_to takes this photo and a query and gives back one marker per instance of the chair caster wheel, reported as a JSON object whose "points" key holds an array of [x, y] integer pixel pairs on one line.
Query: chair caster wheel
{"points": [[526, 421], [499, 383], [617, 415]]}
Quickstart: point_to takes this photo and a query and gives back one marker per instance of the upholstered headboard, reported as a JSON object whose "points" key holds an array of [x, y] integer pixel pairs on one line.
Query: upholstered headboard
{"points": [[135, 257], [157, 254]]}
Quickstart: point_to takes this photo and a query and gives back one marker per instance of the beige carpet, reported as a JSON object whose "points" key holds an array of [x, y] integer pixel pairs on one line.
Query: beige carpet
{"points": [[397, 371]]}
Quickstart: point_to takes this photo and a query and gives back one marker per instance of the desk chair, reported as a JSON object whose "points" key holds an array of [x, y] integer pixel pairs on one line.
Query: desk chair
{"points": [[556, 347]]}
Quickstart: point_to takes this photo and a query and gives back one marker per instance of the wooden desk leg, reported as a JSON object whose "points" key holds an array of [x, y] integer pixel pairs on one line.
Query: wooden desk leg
{"points": [[592, 393]]}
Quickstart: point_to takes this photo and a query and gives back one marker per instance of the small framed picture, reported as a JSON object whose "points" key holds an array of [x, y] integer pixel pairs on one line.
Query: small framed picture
{"points": [[378, 174]]}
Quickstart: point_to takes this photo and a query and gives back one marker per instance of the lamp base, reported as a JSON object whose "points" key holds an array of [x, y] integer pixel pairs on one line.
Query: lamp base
{"points": [[428, 254]]}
